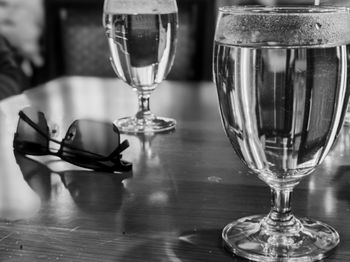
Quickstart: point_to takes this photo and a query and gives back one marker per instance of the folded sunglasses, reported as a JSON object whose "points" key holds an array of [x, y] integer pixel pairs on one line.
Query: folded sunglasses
{"points": [[88, 143]]}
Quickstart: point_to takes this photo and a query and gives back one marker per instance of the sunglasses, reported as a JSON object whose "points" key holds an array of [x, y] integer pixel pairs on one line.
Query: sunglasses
{"points": [[88, 143]]}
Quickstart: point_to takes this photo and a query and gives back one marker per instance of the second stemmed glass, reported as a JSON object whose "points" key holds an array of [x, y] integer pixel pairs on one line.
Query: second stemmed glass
{"points": [[142, 40], [282, 81]]}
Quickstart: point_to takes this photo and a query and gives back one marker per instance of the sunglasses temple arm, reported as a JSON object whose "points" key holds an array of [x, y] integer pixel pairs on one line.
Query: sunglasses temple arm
{"points": [[35, 126], [124, 145]]}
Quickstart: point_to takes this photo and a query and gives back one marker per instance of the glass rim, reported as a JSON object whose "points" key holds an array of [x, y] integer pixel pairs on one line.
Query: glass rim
{"points": [[287, 10]]}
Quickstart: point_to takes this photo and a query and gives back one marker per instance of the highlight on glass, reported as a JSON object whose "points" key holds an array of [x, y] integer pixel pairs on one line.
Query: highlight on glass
{"points": [[88, 143], [282, 82], [142, 39]]}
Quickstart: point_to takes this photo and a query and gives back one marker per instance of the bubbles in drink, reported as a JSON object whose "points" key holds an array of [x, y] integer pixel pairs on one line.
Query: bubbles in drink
{"points": [[296, 28], [140, 7]]}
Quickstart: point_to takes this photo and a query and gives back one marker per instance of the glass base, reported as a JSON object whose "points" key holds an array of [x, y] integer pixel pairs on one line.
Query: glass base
{"points": [[148, 125], [312, 241]]}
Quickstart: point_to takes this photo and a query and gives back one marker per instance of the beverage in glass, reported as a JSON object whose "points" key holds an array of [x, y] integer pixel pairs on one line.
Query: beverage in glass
{"points": [[142, 38], [282, 81]]}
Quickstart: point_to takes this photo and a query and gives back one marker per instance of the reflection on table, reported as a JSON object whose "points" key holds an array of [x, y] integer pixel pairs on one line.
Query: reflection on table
{"points": [[184, 187]]}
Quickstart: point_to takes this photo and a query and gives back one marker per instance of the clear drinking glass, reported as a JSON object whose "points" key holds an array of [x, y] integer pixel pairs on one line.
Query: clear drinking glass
{"points": [[142, 39], [281, 76]]}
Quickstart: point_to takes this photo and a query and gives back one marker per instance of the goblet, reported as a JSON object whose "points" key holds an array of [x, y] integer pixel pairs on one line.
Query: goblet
{"points": [[281, 76], [142, 39]]}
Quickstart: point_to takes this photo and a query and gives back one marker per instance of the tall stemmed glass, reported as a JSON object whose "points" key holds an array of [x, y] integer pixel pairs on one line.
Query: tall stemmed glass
{"points": [[142, 39], [281, 76]]}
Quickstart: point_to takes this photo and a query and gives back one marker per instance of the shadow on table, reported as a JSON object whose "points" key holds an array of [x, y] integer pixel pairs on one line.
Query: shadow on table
{"points": [[90, 190]]}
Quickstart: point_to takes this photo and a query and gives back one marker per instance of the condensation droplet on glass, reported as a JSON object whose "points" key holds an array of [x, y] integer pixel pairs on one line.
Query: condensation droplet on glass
{"points": [[318, 26]]}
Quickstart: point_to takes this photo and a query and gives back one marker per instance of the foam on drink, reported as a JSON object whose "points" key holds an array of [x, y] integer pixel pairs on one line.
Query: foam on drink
{"points": [[140, 6], [318, 26]]}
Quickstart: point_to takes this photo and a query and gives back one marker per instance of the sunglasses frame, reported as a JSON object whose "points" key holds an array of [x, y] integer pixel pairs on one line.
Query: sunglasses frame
{"points": [[94, 162]]}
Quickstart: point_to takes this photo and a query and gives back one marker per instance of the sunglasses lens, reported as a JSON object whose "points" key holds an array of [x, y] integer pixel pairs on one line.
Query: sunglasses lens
{"points": [[91, 138], [32, 132]]}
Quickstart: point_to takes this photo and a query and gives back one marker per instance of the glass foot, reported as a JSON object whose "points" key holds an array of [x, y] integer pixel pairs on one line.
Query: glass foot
{"points": [[311, 241], [151, 125]]}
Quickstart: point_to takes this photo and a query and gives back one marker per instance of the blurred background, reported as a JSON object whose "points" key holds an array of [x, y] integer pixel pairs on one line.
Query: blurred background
{"points": [[53, 38]]}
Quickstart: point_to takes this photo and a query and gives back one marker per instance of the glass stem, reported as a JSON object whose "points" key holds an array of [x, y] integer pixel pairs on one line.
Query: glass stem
{"points": [[280, 218], [144, 111]]}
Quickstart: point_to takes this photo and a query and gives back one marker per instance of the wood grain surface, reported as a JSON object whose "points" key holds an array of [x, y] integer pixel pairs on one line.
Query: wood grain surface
{"points": [[185, 186]]}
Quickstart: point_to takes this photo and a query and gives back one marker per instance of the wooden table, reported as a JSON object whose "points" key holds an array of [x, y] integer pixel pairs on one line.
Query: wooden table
{"points": [[185, 185]]}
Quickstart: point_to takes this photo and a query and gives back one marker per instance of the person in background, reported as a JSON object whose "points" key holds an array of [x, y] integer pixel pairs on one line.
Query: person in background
{"points": [[12, 79], [21, 27], [22, 23]]}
